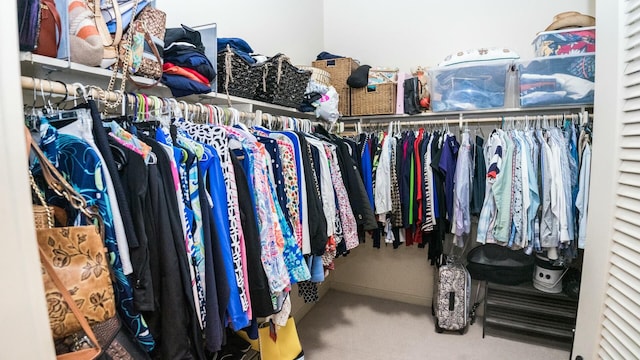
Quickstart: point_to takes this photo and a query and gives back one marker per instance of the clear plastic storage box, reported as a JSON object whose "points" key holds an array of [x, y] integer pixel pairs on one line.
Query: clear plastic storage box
{"points": [[471, 86], [557, 80]]}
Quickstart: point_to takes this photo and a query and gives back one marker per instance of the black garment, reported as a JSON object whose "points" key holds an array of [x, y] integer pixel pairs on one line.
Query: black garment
{"points": [[140, 279], [354, 185], [183, 34], [261, 304], [317, 220], [315, 156], [175, 322], [215, 275], [354, 153], [133, 173], [436, 239], [478, 186]]}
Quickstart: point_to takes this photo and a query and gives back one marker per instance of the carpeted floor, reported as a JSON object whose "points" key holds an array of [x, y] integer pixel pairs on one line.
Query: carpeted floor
{"points": [[348, 326]]}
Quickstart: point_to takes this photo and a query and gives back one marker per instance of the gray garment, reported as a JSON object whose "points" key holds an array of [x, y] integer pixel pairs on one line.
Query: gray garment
{"points": [[548, 221]]}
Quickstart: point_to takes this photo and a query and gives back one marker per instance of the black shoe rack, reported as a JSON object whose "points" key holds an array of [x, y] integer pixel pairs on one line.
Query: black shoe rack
{"points": [[527, 314]]}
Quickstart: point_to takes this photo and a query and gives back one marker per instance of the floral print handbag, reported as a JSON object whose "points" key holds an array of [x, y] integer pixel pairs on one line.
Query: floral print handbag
{"points": [[77, 256]]}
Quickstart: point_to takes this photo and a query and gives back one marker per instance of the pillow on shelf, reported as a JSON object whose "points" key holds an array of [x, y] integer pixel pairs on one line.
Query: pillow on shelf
{"points": [[480, 54]]}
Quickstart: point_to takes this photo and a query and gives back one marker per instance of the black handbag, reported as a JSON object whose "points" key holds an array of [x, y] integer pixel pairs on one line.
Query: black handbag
{"points": [[499, 264], [28, 24], [412, 96]]}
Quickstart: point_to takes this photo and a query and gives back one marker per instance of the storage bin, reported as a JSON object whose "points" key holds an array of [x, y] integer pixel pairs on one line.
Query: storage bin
{"points": [[344, 103], [318, 75], [236, 76], [381, 75], [377, 99], [469, 86], [340, 69], [284, 84], [565, 42], [557, 80]]}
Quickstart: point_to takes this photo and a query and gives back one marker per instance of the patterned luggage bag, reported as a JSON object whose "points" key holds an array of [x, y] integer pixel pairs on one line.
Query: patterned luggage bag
{"points": [[452, 297]]}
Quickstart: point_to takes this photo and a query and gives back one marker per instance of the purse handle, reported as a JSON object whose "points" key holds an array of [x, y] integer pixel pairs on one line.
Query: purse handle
{"points": [[107, 39], [84, 354]]}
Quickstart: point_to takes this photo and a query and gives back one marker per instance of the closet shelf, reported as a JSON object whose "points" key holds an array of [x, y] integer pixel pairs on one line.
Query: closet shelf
{"points": [[38, 66]]}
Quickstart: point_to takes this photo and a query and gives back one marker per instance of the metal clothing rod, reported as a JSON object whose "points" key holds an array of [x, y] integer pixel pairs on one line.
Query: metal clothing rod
{"points": [[78, 90]]}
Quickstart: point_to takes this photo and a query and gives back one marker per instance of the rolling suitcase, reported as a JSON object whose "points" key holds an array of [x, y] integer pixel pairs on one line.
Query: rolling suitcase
{"points": [[452, 296]]}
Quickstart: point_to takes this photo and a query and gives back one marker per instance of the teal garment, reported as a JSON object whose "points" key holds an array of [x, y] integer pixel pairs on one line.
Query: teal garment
{"points": [[502, 192]]}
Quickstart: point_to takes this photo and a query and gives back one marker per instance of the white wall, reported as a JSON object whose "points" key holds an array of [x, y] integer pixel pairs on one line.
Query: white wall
{"points": [[407, 33], [292, 27]]}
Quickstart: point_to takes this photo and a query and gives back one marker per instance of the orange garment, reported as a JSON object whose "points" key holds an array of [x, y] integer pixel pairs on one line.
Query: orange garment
{"points": [[190, 74]]}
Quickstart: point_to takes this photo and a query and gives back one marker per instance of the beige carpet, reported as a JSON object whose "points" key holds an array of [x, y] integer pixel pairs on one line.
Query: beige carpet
{"points": [[348, 326]]}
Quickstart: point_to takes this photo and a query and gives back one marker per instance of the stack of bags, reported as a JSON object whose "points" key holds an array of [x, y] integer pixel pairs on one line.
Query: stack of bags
{"points": [[186, 69]]}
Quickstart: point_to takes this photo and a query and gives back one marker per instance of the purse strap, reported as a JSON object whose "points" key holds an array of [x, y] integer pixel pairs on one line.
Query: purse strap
{"points": [[40, 196], [60, 186], [107, 39], [84, 354]]}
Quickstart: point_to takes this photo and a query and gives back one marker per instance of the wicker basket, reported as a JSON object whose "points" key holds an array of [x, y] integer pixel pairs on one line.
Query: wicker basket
{"points": [[344, 104], [340, 69], [283, 83], [236, 76], [377, 99], [318, 75]]}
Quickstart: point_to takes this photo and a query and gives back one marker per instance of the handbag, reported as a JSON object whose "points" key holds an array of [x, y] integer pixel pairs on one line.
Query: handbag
{"points": [[279, 342], [28, 24], [81, 352], [110, 42], [78, 257], [85, 43], [412, 87], [145, 39], [50, 30]]}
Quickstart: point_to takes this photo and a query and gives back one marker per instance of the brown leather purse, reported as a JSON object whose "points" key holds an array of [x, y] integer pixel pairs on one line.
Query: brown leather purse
{"points": [[50, 29], [75, 258]]}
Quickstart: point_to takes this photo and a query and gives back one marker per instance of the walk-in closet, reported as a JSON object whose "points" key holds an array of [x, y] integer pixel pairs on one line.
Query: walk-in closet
{"points": [[333, 179]]}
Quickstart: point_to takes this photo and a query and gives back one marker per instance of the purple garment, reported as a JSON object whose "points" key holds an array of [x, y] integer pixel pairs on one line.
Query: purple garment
{"points": [[447, 165]]}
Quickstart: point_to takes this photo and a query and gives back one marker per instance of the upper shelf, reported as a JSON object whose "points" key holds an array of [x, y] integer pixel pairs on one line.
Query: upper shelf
{"points": [[33, 65]]}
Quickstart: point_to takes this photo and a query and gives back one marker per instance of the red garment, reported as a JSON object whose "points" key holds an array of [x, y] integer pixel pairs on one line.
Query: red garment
{"points": [[190, 74]]}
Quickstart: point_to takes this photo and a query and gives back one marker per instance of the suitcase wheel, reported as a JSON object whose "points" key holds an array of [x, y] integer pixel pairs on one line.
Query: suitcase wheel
{"points": [[439, 330]]}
